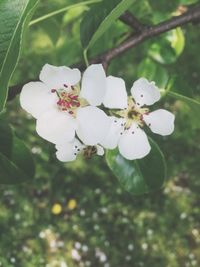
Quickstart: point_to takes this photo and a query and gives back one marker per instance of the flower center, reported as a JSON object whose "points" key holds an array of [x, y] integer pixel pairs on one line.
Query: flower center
{"points": [[134, 113], [68, 99]]}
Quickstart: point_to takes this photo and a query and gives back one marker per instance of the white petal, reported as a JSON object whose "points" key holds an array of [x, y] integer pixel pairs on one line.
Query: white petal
{"points": [[56, 77], [160, 121], [116, 95], [36, 98], [100, 150], [145, 92], [115, 131], [68, 151], [94, 84], [134, 144], [93, 125], [56, 126]]}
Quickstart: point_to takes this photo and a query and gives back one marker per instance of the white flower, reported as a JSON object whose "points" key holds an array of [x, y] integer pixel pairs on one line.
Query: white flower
{"points": [[69, 151], [62, 109], [125, 130]]}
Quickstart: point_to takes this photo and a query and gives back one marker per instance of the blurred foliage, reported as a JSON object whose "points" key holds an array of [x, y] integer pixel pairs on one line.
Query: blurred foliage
{"points": [[77, 215]]}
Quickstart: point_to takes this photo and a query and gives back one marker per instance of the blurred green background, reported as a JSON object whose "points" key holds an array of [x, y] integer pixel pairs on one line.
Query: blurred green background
{"points": [[77, 214]]}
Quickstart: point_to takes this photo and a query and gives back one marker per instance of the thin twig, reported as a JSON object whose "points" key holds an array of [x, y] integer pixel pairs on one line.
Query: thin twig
{"points": [[190, 16], [132, 21]]}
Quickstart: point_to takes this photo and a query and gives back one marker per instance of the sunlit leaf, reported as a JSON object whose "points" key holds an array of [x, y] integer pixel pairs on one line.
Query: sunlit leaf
{"points": [[168, 47]]}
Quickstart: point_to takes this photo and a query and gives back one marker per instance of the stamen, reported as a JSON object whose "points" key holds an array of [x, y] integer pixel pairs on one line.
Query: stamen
{"points": [[65, 85], [53, 90]]}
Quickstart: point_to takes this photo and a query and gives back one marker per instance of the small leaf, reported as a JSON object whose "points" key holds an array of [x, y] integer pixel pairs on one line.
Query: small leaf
{"points": [[139, 176], [99, 18], [168, 47], [16, 163], [52, 29], [14, 17]]}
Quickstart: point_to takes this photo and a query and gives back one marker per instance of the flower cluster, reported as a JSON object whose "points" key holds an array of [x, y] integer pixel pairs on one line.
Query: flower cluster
{"points": [[67, 112]]}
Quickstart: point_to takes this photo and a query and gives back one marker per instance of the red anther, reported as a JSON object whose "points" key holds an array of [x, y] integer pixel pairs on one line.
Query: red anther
{"points": [[67, 105], [65, 85], [53, 90], [74, 97], [59, 102], [78, 104], [71, 112]]}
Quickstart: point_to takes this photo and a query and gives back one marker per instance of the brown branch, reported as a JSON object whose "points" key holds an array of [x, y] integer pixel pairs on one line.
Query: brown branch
{"points": [[132, 21], [148, 32], [193, 15]]}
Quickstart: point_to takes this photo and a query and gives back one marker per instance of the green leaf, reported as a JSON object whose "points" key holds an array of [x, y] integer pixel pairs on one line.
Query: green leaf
{"points": [[168, 47], [193, 105], [139, 176], [99, 18], [6, 138], [16, 163], [177, 40], [153, 71], [187, 2], [62, 10], [52, 29], [14, 16]]}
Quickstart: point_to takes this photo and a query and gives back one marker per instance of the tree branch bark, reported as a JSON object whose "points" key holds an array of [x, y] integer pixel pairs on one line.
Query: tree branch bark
{"points": [[149, 32], [142, 33], [132, 21]]}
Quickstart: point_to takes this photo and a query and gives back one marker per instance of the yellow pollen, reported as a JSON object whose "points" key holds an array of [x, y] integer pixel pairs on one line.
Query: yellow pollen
{"points": [[133, 113]]}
